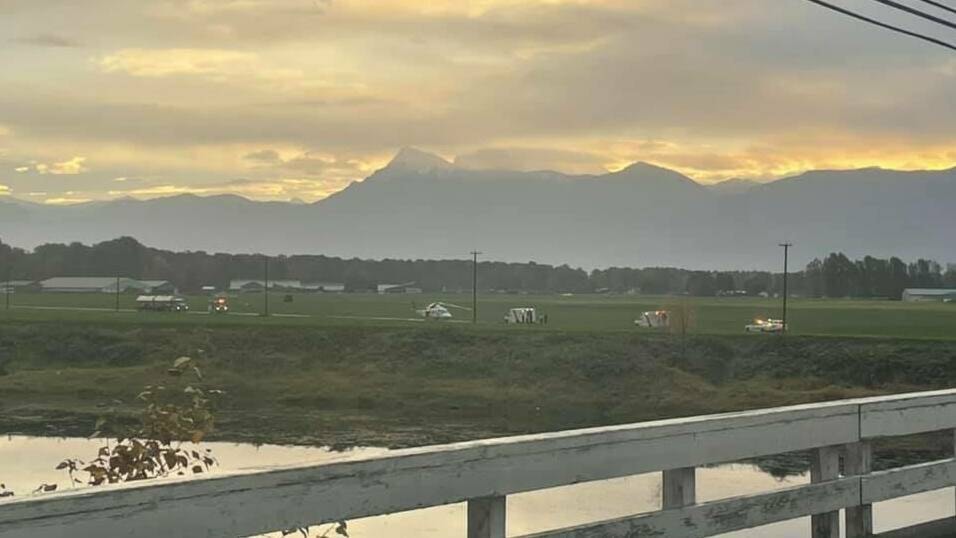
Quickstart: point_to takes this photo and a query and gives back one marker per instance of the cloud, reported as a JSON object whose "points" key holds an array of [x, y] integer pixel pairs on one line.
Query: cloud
{"points": [[48, 40], [169, 62], [212, 65], [529, 159], [66, 168], [309, 163], [66, 200], [4, 190], [265, 156], [275, 189], [22, 169], [189, 94]]}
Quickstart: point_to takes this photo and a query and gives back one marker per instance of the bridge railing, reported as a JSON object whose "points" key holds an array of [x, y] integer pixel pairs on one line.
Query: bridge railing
{"points": [[483, 473]]}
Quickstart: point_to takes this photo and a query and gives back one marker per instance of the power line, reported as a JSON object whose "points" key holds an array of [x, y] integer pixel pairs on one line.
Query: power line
{"points": [[913, 11], [890, 27], [944, 7], [786, 255], [474, 286], [265, 290]]}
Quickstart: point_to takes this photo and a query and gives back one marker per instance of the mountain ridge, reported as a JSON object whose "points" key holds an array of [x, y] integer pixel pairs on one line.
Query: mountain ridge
{"points": [[422, 206], [410, 157]]}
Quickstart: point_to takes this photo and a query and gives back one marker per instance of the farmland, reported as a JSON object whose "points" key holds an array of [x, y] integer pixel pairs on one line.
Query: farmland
{"points": [[848, 318], [362, 369], [422, 383]]}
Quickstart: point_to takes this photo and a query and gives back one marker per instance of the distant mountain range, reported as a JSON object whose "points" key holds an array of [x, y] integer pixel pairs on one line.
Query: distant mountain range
{"points": [[421, 206], [733, 186]]}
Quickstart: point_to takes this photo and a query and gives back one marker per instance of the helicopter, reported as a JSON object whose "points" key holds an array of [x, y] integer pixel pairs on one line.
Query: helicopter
{"points": [[766, 326], [438, 310]]}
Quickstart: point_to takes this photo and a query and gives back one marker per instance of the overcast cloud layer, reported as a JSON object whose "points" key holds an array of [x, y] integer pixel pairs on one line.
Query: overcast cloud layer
{"points": [[281, 99]]}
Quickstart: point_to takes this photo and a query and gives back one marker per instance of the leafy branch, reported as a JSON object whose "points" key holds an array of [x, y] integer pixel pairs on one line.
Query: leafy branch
{"points": [[172, 415]]}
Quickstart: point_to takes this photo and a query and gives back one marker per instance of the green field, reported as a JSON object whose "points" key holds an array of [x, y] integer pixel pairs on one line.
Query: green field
{"points": [[833, 317], [430, 383], [334, 369]]}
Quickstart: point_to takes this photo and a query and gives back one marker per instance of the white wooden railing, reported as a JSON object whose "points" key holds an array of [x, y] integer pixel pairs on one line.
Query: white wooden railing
{"points": [[483, 473]]}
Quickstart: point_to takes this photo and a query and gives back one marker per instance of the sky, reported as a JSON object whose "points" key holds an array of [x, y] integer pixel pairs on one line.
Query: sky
{"points": [[294, 99]]}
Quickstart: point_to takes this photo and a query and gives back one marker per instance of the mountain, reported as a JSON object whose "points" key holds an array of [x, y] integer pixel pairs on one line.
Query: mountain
{"points": [[416, 160], [733, 186], [422, 206]]}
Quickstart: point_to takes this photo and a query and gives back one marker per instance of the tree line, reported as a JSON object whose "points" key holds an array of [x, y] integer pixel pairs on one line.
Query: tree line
{"points": [[833, 276]]}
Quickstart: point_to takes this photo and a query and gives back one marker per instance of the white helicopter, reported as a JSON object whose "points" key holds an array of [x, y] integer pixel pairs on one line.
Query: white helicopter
{"points": [[438, 310], [766, 326]]}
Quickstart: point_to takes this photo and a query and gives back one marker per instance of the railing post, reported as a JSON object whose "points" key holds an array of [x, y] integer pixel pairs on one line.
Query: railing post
{"points": [[859, 461], [486, 517], [825, 465], [679, 488]]}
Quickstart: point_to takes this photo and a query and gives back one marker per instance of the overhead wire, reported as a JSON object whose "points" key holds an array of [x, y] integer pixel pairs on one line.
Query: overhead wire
{"points": [[913, 11], [884, 25], [939, 5]]}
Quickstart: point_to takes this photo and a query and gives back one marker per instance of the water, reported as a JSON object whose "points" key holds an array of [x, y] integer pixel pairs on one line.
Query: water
{"points": [[26, 462]]}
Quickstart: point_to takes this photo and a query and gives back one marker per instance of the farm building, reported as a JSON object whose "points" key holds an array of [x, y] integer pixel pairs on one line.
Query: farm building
{"points": [[407, 287], [925, 295], [102, 284], [84, 284], [18, 285], [159, 287], [242, 286]]}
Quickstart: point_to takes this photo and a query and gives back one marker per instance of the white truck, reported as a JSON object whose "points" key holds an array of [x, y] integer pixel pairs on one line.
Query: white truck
{"points": [[162, 303]]}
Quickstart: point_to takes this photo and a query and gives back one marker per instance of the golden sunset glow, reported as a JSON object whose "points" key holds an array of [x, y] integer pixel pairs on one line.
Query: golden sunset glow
{"points": [[295, 99]]}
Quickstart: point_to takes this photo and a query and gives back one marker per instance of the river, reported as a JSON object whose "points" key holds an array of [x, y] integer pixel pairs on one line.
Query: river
{"points": [[26, 462]]}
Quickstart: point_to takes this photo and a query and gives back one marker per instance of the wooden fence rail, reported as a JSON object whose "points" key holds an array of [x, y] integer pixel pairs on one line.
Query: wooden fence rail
{"points": [[483, 473]]}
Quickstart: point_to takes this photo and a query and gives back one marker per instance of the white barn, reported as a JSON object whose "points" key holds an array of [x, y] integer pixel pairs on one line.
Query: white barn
{"points": [[103, 284], [252, 285], [926, 295]]}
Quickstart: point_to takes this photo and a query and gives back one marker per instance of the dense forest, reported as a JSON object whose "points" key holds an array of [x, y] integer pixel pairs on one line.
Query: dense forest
{"points": [[833, 276]]}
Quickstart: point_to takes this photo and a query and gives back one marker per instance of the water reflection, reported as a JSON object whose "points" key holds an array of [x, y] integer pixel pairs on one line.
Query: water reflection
{"points": [[26, 462]]}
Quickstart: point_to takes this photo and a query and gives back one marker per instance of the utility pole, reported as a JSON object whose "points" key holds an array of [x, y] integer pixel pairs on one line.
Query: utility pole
{"points": [[474, 286], [266, 289], [786, 253], [9, 289], [117, 292]]}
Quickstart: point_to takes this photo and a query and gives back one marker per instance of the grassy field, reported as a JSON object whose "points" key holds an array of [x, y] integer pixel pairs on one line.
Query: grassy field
{"points": [[331, 370], [566, 313], [421, 384]]}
